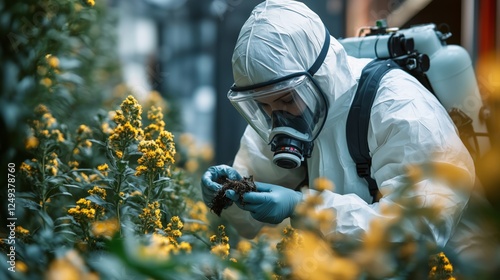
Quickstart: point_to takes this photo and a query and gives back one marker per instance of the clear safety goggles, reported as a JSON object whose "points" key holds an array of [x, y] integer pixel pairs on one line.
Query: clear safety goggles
{"points": [[293, 105]]}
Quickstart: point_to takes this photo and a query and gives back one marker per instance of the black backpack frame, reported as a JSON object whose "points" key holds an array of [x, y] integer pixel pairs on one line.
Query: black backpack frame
{"points": [[359, 114]]}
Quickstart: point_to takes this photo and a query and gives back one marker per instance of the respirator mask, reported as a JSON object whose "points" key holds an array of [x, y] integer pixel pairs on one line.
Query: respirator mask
{"points": [[288, 113]]}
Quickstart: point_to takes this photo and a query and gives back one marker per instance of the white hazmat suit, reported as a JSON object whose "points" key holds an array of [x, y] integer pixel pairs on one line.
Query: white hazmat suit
{"points": [[408, 126]]}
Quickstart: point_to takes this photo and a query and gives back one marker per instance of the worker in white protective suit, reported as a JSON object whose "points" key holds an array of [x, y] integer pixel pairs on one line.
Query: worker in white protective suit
{"points": [[294, 83]]}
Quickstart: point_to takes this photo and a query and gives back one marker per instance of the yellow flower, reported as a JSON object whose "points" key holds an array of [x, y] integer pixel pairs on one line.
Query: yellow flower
{"points": [[68, 267], [185, 246], [136, 193], [47, 82], [153, 159], [49, 119], [100, 192], [103, 167], [441, 268], [27, 169], [73, 164], [62, 269], [106, 228], [52, 61], [327, 265], [32, 143], [118, 117], [323, 184], [41, 109], [86, 210], [157, 125], [22, 231], [106, 129], [221, 250], [151, 216], [213, 238], [83, 129], [57, 134], [220, 243], [52, 170], [128, 129], [21, 266], [91, 3], [244, 246]]}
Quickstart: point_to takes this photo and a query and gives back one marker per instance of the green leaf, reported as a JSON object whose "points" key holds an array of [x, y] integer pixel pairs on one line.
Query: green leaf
{"points": [[100, 143], [73, 186], [121, 165], [97, 200], [61, 193], [29, 204], [70, 77], [163, 179], [46, 218], [67, 231]]}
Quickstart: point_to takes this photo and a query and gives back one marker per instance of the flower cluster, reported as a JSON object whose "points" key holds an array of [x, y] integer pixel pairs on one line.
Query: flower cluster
{"points": [[69, 266], [441, 268], [86, 210], [164, 243], [44, 127], [129, 126], [28, 168], [160, 248], [220, 243], [173, 230], [157, 148], [154, 160], [52, 164], [97, 191], [157, 125], [83, 134], [106, 229], [47, 69], [291, 241], [103, 169], [151, 217]]}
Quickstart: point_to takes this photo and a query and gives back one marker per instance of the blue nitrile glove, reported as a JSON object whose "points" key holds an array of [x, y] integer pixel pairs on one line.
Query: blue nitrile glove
{"points": [[271, 204], [209, 185]]}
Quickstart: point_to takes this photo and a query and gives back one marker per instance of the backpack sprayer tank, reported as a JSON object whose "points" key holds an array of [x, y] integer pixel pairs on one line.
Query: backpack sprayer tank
{"points": [[450, 74]]}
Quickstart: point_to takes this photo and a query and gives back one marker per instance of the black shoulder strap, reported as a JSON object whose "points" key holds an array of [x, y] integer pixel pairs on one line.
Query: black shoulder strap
{"points": [[359, 118]]}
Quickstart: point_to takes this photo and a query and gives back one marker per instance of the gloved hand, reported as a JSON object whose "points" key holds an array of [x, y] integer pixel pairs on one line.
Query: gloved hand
{"points": [[271, 204], [209, 185]]}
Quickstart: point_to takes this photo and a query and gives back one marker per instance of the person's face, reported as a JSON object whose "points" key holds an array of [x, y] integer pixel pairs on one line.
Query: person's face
{"points": [[286, 101]]}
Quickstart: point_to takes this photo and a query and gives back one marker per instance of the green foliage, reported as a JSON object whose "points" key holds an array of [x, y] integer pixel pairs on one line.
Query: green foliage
{"points": [[58, 53], [102, 190]]}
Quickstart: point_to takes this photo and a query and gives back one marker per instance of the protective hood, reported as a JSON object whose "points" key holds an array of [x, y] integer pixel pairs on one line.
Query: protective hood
{"points": [[283, 37]]}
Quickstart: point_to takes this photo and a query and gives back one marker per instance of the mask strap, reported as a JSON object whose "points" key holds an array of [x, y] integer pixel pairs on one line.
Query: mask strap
{"points": [[322, 54]]}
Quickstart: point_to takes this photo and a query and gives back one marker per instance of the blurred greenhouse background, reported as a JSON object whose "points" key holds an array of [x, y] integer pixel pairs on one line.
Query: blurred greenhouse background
{"points": [[111, 109], [183, 48]]}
